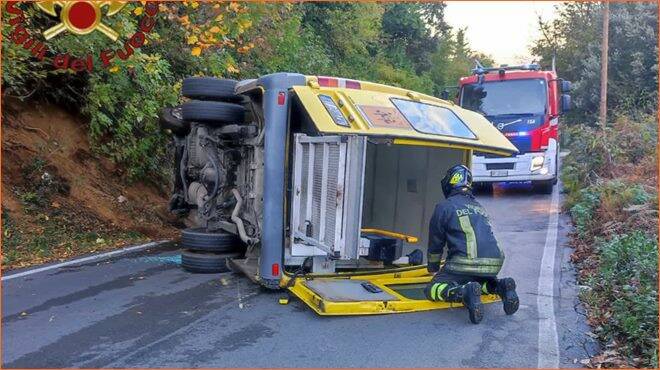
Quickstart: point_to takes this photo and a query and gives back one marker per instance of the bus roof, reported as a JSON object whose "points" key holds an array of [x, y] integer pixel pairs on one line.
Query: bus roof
{"points": [[343, 106]]}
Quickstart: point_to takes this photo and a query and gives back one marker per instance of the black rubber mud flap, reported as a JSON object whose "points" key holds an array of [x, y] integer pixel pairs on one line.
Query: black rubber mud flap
{"points": [[200, 239], [209, 88], [206, 262], [172, 119], [213, 112]]}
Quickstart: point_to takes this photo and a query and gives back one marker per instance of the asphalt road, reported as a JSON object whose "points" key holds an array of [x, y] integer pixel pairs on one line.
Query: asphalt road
{"points": [[141, 310]]}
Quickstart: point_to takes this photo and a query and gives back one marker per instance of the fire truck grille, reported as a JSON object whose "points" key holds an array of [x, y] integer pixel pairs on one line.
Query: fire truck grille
{"points": [[500, 166]]}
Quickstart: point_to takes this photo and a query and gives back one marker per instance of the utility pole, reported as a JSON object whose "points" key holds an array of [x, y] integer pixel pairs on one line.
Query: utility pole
{"points": [[603, 64]]}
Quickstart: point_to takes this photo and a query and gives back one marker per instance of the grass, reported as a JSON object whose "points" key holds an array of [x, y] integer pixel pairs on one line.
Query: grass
{"points": [[55, 238]]}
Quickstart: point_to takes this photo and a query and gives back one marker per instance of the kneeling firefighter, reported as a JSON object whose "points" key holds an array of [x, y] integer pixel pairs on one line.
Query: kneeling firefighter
{"points": [[473, 256]]}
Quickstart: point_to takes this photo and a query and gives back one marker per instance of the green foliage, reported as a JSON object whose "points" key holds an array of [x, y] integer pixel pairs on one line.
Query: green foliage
{"points": [[402, 44], [583, 210], [606, 195], [11, 239], [123, 108], [23, 75], [612, 197], [283, 43], [405, 45], [454, 59], [597, 153], [627, 280], [575, 37], [349, 30]]}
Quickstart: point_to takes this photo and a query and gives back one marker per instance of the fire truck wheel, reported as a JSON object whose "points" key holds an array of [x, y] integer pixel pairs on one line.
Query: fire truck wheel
{"points": [[206, 262], [483, 187], [213, 112], [171, 119], [200, 239], [209, 88], [543, 187]]}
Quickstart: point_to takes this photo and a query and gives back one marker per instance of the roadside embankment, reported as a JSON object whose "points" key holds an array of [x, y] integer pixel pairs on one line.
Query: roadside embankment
{"points": [[611, 180], [60, 198]]}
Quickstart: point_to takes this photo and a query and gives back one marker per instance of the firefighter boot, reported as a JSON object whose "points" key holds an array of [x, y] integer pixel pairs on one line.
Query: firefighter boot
{"points": [[506, 289], [470, 295]]}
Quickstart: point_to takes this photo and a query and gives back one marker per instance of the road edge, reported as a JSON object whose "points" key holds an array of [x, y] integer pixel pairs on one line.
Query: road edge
{"points": [[95, 257], [548, 339]]}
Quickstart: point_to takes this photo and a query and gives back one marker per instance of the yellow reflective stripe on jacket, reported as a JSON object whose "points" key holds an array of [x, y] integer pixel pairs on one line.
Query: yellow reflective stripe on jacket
{"points": [[470, 238]]}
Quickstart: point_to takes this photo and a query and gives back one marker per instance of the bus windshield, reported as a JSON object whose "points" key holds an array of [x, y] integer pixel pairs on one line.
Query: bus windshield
{"points": [[510, 97]]}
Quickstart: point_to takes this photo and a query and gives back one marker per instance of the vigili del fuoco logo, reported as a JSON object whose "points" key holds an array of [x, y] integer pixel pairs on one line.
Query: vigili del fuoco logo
{"points": [[79, 18]]}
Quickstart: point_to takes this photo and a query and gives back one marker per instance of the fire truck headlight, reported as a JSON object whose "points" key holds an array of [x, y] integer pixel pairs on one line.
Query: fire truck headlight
{"points": [[537, 163]]}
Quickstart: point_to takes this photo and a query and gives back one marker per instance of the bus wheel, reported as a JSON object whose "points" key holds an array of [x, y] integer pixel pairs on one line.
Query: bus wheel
{"points": [[201, 240], [213, 112], [543, 187], [209, 88], [206, 262]]}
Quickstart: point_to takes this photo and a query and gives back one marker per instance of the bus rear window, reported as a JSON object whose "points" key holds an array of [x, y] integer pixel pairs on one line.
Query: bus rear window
{"points": [[433, 119]]}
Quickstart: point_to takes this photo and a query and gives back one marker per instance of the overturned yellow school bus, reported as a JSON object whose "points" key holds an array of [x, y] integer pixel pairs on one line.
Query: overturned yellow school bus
{"points": [[319, 185]]}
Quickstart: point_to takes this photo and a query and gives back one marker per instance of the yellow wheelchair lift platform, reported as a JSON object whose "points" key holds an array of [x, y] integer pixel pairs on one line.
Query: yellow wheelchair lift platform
{"points": [[396, 291]]}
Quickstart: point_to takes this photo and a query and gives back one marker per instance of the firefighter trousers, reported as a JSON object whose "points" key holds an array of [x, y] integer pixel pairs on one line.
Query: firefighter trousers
{"points": [[443, 282]]}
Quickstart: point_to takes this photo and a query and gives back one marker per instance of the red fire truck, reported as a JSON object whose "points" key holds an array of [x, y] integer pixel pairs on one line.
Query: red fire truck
{"points": [[524, 103]]}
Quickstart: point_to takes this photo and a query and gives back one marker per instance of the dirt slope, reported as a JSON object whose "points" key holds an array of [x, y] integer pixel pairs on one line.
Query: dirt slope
{"points": [[60, 199]]}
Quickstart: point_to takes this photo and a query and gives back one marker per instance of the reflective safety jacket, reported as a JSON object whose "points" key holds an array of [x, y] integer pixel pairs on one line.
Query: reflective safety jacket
{"points": [[462, 224]]}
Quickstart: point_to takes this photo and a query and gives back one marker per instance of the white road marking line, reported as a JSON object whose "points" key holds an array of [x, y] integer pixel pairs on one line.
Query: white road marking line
{"points": [[84, 259], [548, 339]]}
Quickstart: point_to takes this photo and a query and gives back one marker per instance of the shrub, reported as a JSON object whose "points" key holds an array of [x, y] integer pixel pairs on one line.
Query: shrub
{"points": [[122, 101], [626, 149], [123, 105], [627, 280]]}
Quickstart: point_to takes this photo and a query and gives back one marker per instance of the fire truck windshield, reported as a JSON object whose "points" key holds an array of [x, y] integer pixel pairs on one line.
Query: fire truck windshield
{"points": [[508, 97]]}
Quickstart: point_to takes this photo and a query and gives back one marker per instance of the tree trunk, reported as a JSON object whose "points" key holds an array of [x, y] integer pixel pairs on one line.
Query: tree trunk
{"points": [[603, 64]]}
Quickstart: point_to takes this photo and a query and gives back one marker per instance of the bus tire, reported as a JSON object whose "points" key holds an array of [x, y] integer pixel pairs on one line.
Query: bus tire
{"points": [[210, 88], [213, 112], [199, 239], [206, 262]]}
